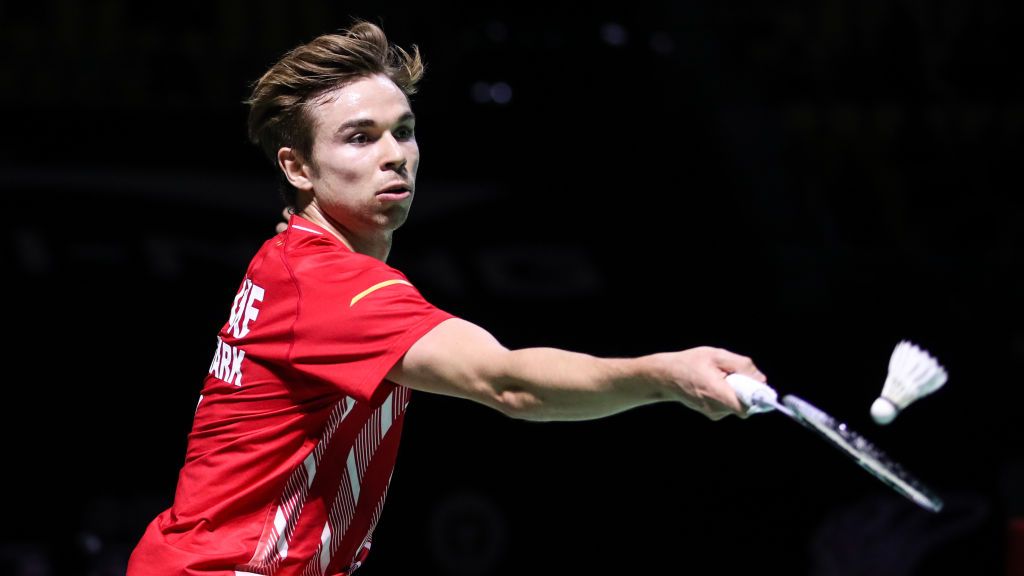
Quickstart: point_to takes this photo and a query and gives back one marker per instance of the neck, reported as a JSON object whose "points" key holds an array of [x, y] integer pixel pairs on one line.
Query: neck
{"points": [[376, 245]]}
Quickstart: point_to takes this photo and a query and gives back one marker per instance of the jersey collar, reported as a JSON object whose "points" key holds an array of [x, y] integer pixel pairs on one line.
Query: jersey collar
{"points": [[299, 225]]}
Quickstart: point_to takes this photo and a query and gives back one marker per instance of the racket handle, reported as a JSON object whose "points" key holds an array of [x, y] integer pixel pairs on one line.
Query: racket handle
{"points": [[756, 396]]}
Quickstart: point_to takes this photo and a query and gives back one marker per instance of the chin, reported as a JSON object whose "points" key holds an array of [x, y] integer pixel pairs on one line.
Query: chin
{"points": [[393, 220]]}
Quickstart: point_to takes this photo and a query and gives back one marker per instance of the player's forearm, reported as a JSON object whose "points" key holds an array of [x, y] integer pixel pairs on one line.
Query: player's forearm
{"points": [[552, 384], [458, 358]]}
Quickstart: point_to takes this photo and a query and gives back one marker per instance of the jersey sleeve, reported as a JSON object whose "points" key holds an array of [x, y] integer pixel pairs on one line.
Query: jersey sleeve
{"points": [[354, 322]]}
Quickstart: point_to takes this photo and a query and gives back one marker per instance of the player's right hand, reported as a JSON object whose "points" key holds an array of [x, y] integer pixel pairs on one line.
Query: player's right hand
{"points": [[287, 215], [699, 374]]}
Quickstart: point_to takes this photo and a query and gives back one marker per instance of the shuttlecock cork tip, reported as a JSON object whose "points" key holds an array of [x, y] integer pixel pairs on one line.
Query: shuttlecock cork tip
{"points": [[883, 411]]}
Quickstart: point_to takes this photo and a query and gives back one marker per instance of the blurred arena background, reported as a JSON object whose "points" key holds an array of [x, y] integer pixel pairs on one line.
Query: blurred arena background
{"points": [[805, 183]]}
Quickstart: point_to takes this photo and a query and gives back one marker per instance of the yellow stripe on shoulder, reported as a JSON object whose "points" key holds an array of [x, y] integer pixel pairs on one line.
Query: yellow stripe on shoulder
{"points": [[374, 288]]}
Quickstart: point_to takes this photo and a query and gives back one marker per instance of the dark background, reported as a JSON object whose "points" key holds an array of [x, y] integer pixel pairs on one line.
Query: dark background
{"points": [[804, 183]]}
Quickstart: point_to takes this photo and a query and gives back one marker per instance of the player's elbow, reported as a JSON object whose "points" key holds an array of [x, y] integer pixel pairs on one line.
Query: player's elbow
{"points": [[516, 402], [505, 395], [493, 380]]}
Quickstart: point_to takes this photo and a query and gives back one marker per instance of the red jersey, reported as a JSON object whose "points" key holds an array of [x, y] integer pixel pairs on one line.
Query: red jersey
{"points": [[296, 431]]}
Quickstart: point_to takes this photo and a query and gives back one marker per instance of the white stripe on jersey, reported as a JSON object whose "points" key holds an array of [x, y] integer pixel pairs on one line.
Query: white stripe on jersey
{"points": [[353, 474], [385, 417], [273, 543], [325, 551], [310, 464], [343, 509], [279, 525]]}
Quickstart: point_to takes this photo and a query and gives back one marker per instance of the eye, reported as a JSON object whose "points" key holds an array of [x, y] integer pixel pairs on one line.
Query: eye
{"points": [[404, 132], [359, 138]]}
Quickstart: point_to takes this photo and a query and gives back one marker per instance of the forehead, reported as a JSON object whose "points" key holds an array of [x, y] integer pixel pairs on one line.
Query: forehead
{"points": [[374, 97]]}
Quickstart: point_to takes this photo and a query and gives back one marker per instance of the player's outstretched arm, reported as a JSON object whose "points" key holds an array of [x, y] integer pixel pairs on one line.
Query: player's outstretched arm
{"points": [[458, 358]]}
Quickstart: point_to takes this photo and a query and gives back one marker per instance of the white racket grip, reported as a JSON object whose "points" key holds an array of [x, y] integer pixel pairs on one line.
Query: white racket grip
{"points": [[753, 394]]}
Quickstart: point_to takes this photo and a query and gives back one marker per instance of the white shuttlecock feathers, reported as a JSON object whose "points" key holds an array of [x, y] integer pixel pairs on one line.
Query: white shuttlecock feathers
{"points": [[913, 373]]}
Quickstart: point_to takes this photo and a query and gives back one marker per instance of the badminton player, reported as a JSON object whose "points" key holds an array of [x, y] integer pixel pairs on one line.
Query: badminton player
{"points": [[297, 427]]}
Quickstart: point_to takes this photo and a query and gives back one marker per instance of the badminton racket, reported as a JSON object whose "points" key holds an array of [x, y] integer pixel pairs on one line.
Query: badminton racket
{"points": [[759, 397]]}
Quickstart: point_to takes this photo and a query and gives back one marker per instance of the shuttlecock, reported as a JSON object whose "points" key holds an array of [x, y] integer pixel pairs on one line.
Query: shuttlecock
{"points": [[913, 373]]}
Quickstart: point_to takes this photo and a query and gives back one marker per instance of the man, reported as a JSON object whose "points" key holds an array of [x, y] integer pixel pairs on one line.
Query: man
{"points": [[297, 428]]}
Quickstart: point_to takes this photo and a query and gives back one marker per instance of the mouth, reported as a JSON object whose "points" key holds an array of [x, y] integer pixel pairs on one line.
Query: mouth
{"points": [[395, 193]]}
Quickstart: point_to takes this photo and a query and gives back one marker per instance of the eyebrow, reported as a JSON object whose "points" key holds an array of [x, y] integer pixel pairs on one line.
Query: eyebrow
{"points": [[369, 123]]}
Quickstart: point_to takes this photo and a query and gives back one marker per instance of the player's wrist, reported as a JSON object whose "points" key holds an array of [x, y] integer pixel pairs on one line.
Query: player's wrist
{"points": [[651, 376]]}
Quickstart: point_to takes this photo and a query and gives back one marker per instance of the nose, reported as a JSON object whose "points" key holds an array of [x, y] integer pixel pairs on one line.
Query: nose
{"points": [[393, 155]]}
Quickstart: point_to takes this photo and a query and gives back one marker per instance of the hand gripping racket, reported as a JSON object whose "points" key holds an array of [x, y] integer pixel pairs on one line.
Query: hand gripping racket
{"points": [[758, 397]]}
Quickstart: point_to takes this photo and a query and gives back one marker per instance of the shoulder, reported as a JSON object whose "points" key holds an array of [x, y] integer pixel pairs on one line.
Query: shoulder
{"points": [[319, 265], [322, 259]]}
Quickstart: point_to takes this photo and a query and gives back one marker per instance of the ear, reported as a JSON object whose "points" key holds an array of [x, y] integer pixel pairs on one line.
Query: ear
{"points": [[295, 169]]}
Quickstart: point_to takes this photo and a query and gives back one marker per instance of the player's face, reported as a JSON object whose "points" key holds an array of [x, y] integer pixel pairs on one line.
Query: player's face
{"points": [[365, 155]]}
